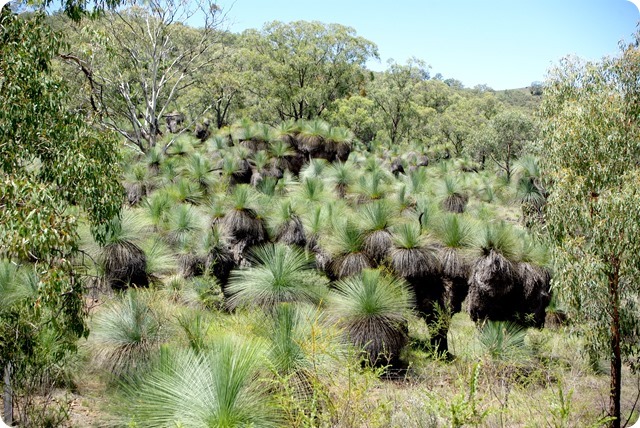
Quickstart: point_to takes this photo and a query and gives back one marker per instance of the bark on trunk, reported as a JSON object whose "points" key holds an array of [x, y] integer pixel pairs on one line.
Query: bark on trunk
{"points": [[616, 360], [8, 396]]}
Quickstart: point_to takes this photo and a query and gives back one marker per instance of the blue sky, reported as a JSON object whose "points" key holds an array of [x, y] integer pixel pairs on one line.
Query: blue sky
{"points": [[504, 44]]}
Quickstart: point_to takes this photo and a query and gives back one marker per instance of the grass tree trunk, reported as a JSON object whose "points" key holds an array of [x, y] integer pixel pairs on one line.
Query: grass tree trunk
{"points": [[7, 396], [616, 359]]}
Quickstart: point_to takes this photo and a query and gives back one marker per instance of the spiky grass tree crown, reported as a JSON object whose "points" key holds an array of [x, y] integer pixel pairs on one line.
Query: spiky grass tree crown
{"points": [[16, 283], [316, 168], [311, 189], [214, 388], [372, 308], [125, 334], [342, 175], [502, 340], [528, 166], [288, 329], [532, 251], [454, 197], [373, 186], [346, 237], [243, 198], [184, 224], [411, 256], [154, 159], [285, 223], [182, 145], [455, 230], [157, 206], [199, 170], [376, 219], [427, 212], [278, 273], [376, 215], [530, 193], [280, 149], [408, 236], [500, 238], [185, 190]]}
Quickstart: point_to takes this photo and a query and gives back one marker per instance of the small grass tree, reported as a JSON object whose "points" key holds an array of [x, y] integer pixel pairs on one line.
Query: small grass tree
{"points": [[592, 147]]}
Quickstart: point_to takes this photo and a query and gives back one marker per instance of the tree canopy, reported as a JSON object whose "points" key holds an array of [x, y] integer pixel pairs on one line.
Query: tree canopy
{"points": [[591, 142], [54, 168], [308, 65]]}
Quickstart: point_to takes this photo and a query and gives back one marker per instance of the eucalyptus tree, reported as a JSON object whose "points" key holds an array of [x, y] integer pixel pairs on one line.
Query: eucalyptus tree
{"points": [[395, 95], [300, 68], [457, 123], [53, 166], [591, 142], [506, 137], [137, 60]]}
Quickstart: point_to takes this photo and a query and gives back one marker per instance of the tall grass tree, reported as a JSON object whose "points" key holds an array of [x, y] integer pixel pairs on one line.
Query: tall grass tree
{"points": [[414, 260]]}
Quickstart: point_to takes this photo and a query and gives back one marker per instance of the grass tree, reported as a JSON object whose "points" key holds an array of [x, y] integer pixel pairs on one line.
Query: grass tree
{"points": [[376, 219], [161, 258], [372, 308], [199, 170], [183, 190], [495, 293], [341, 139], [286, 225], [315, 168], [125, 334], [217, 387], [138, 183], [241, 222], [121, 260], [457, 235], [156, 208], [454, 198], [290, 333], [346, 247], [185, 225], [372, 186], [535, 276], [312, 140], [414, 260], [277, 274], [502, 340], [529, 190], [154, 159], [219, 260], [311, 189], [343, 176]]}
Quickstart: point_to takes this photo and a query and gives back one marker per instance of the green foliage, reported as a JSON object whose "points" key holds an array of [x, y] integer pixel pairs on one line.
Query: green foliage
{"points": [[216, 387], [464, 409], [502, 340], [278, 274], [591, 145], [455, 231], [126, 334], [372, 308], [394, 93], [308, 66], [53, 165], [501, 238]]}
